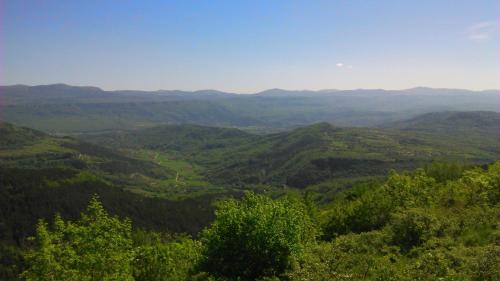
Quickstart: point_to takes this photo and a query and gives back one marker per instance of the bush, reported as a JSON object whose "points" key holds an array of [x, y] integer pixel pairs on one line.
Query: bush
{"points": [[256, 237], [485, 266], [166, 261], [97, 247], [369, 212], [412, 228]]}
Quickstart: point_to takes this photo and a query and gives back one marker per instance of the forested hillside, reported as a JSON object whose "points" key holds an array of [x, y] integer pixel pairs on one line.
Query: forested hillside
{"points": [[438, 223], [453, 123], [311, 154], [26, 148], [41, 174]]}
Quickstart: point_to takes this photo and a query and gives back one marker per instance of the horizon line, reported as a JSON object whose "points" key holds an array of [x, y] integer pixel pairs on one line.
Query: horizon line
{"points": [[252, 93]]}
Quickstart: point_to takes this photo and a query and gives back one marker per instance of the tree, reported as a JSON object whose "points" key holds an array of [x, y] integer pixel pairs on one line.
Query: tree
{"points": [[157, 260], [97, 247], [413, 227], [256, 237]]}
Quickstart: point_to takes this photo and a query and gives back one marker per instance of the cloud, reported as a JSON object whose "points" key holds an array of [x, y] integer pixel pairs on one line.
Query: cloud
{"points": [[483, 31], [343, 65]]}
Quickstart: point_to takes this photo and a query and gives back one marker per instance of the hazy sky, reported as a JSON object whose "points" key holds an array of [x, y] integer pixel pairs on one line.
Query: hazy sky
{"points": [[248, 46]]}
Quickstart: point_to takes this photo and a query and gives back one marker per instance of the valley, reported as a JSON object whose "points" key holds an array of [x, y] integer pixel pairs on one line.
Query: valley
{"points": [[172, 179]]}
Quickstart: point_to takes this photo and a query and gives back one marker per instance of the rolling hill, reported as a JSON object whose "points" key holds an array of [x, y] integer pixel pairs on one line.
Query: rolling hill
{"points": [[454, 123], [307, 155], [41, 175], [183, 138], [27, 148]]}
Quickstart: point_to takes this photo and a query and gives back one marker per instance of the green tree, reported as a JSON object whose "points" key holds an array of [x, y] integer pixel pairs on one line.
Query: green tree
{"points": [[156, 260], [485, 267], [256, 237], [413, 227], [97, 247]]}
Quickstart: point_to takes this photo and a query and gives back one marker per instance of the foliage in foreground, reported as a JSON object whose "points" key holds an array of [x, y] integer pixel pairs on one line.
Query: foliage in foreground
{"points": [[101, 247], [97, 247], [413, 227], [255, 237]]}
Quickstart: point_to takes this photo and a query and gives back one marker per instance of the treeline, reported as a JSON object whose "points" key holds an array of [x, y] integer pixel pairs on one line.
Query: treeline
{"points": [[437, 223]]}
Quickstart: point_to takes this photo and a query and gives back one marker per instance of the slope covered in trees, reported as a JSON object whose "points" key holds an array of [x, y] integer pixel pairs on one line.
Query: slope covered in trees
{"points": [[440, 223], [141, 171], [26, 148], [307, 155], [453, 123]]}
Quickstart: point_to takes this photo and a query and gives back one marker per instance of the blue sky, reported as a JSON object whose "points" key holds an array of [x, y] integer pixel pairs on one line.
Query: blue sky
{"points": [[249, 46]]}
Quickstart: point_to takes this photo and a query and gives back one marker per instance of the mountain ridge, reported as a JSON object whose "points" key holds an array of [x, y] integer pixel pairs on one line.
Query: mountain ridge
{"points": [[66, 109], [271, 90]]}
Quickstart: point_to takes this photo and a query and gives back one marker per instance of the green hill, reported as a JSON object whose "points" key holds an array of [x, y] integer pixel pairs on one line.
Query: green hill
{"points": [[146, 169], [305, 155], [13, 136], [454, 123], [183, 138], [42, 174], [320, 152], [26, 148]]}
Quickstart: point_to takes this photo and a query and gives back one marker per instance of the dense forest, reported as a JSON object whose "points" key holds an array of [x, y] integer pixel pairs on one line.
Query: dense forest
{"points": [[435, 223]]}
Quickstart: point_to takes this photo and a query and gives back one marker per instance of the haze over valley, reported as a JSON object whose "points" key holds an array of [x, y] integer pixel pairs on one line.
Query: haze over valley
{"points": [[87, 109]]}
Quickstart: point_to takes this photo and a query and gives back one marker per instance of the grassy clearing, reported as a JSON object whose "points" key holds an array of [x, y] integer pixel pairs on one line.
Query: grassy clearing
{"points": [[188, 181]]}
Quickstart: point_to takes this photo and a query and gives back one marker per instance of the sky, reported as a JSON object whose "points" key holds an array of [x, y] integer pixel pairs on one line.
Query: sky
{"points": [[250, 46]]}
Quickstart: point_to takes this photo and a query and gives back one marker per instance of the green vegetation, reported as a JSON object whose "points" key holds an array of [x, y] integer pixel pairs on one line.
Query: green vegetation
{"points": [[321, 203], [97, 247], [188, 180], [411, 227], [101, 247], [453, 123], [256, 237], [160, 258], [308, 155], [152, 173], [415, 227]]}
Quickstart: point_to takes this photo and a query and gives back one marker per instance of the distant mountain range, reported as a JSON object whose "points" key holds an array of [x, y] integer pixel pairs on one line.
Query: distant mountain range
{"points": [[62, 108], [16, 94]]}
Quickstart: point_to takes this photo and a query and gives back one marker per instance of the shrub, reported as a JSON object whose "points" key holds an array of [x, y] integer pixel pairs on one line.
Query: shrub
{"points": [[166, 261], [97, 247], [412, 228], [256, 237], [485, 266]]}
